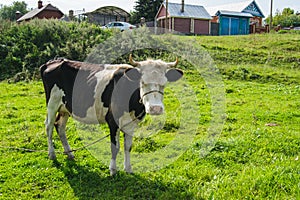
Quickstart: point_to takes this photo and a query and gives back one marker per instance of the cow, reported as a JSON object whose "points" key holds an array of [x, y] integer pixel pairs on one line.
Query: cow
{"points": [[117, 94]]}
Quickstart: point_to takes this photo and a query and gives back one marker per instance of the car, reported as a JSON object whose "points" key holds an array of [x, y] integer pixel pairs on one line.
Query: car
{"points": [[297, 28], [120, 25]]}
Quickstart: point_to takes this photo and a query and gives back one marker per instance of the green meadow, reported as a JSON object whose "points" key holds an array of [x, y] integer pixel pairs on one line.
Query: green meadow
{"points": [[256, 156]]}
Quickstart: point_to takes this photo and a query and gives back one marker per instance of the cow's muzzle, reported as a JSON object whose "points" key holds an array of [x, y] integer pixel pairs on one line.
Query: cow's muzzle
{"points": [[156, 110], [154, 107]]}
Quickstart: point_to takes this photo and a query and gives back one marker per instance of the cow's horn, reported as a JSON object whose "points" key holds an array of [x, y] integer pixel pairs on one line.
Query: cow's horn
{"points": [[173, 64], [133, 62]]}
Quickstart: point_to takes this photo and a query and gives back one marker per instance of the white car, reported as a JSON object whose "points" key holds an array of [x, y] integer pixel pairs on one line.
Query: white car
{"points": [[120, 25]]}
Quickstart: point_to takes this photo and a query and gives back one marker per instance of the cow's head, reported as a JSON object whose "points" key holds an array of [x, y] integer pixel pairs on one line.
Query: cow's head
{"points": [[153, 76]]}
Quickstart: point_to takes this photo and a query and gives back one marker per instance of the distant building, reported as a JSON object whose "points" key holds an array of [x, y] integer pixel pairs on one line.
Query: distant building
{"points": [[77, 15], [249, 6], [184, 18], [104, 15], [235, 19], [48, 11]]}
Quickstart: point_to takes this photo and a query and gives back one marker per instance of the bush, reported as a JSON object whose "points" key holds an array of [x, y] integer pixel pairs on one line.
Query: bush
{"points": [[26, 46]]}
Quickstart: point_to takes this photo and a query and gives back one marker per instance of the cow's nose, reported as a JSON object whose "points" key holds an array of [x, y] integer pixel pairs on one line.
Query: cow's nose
{"points": [[156, 110]]}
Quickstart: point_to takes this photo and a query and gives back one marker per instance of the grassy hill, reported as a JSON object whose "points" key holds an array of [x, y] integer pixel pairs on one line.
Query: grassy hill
{"points": [[255, 157]]}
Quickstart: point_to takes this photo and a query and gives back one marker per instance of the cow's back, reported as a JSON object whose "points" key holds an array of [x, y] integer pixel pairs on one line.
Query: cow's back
{"points": [[83, 85], [68, 75]]}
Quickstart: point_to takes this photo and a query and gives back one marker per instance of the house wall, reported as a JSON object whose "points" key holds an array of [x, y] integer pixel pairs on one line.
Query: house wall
{"points": [[182, 25], [49, 14], [162, 12], [201, 27]]}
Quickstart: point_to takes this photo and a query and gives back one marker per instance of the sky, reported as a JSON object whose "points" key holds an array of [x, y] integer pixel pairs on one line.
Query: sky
{"points": [[128, 5]]}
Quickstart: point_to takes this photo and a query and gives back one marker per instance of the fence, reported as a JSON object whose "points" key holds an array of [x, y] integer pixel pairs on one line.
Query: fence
{"points": [[259, 29]]}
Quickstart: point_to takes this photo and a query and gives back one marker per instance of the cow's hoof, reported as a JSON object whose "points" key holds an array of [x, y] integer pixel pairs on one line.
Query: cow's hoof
{"points": [[113, 172], [71, 156], [128, 170], [52, 156]]}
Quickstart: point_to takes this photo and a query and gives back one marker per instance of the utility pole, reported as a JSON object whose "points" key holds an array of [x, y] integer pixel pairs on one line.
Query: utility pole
{"points": [[167, 22], [271, 15]]}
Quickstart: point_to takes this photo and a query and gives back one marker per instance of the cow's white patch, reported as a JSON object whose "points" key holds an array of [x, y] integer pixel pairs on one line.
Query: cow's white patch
{"points": [[154, 72], [128, 123], [55, 100], [90, 118], [152, 85]]}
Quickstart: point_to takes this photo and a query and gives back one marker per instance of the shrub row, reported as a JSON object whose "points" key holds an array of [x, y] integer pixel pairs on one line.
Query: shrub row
{"points": [[26, 46]]}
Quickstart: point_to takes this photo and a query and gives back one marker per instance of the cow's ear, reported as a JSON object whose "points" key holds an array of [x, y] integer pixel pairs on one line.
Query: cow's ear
{"points": [[133, 74], [174, 75]]}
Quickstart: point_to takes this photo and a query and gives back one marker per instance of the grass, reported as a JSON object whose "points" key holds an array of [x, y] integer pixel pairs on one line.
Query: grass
{"points": [[251, 159]]}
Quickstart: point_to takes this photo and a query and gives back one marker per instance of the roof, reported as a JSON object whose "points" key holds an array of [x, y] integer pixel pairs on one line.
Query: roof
{"points": [[190, 11], [31, 14], [249, 6], [110, 10], [233, 13]]}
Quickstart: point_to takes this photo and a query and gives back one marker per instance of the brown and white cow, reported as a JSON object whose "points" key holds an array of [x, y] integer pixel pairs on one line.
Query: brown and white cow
{"points": [[119, 95]]}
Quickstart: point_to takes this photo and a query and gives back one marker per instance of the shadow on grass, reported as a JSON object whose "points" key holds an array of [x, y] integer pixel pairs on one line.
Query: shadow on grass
{"points": [[88, 183]]}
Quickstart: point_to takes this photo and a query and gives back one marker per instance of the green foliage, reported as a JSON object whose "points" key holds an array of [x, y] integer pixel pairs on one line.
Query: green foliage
{"points": [[9, 12], [27, 46], [4, 25], [147, 9], [286, 18]]}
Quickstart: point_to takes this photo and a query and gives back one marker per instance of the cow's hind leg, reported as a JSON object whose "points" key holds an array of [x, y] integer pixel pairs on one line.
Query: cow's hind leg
{"points": [[53, 105], [49, 130], [60, 125]]}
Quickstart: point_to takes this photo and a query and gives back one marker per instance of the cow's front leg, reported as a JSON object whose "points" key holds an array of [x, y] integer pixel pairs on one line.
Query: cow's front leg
{"points": [[127, 149], [115, 147], [114, 143]]}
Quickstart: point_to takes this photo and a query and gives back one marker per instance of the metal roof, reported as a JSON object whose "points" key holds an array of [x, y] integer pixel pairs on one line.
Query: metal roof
{"points": [[190, 11], [110, 10], [31, 14], [233, 13]]}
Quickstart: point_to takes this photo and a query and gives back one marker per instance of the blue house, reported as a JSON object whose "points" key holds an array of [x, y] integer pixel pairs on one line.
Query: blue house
{"points": [[235, 19]]}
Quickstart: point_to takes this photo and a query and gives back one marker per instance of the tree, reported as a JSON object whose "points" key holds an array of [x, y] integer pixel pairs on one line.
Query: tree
{"points": [[9, 12], [287, 12], [285, 18], [145, 8]]}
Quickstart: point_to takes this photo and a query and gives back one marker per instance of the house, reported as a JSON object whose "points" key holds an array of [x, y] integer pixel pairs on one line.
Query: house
{"points": [[48, 11], [184, 18], [104, 15], [249, 6], [235, 19]]}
